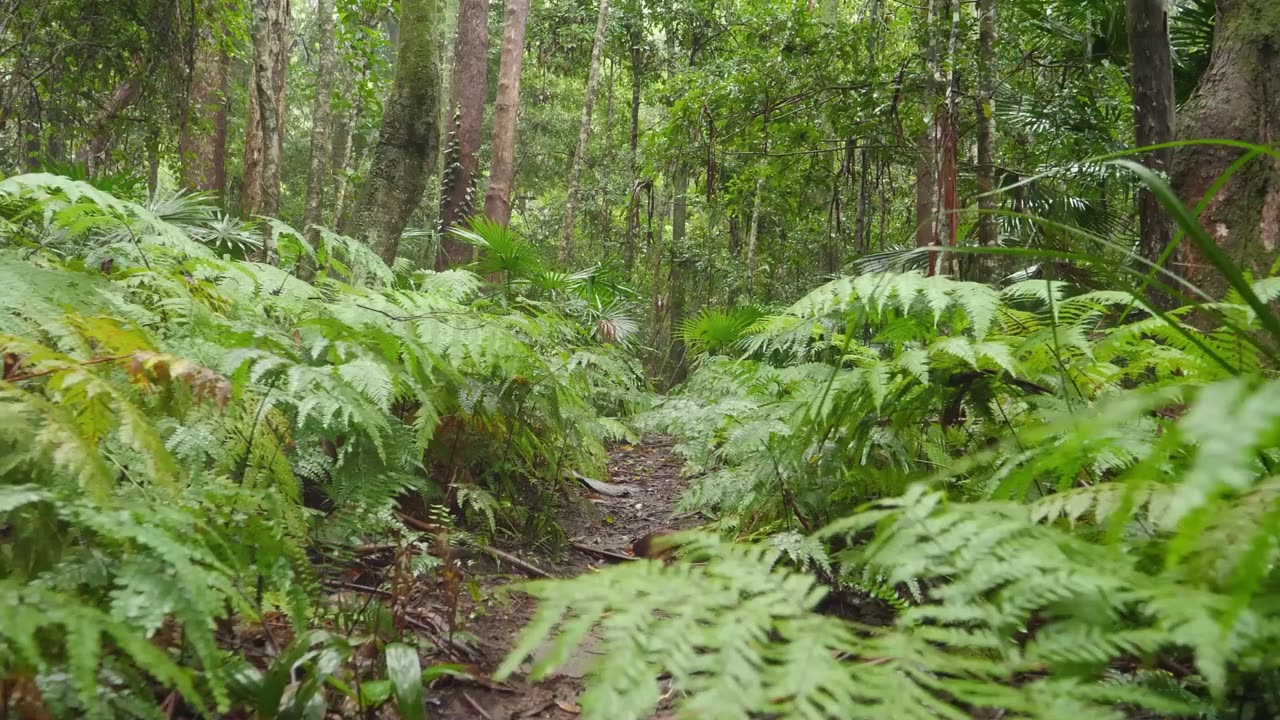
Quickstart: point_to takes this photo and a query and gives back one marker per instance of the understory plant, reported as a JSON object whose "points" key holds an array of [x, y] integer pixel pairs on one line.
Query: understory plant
{"points": [[1022, 499], [187, 431]]}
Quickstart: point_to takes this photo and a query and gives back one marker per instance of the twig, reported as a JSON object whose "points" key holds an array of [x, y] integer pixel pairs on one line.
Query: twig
{"points": [[476, 706], [522, 564], [419, 525], [600, 551], [530, 568], [358, 588]]}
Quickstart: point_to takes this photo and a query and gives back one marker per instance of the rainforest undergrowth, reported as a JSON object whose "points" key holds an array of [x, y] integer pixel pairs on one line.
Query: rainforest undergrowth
{"points": [[194, 439], [1063, 498]]}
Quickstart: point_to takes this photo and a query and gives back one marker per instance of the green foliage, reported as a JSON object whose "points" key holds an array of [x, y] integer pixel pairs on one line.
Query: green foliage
{"points": [[1070, 506], [178, 428]]}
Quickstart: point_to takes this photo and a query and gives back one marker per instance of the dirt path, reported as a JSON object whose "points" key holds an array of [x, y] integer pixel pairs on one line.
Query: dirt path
{"points": [[598, 522]]}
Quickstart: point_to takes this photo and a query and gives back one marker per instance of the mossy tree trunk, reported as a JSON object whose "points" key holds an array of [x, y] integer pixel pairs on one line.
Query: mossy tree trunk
{"points": [[405, 155]]}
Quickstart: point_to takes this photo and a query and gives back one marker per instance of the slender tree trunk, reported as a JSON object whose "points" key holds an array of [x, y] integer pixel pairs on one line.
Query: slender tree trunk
{"points": [[633, 215], [753, 230], [1152, 70], [584, 136], [926, 190], [506, 109], [927, 166], [862, 223], [1238, 99], [344, 149], [753, 236], [946, 142], [988, 231], [462, 158], [321, 118], [659, 315], [202, 143], [406, 152]]}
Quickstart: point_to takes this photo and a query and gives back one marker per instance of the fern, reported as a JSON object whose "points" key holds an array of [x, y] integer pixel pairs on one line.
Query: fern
{"points": [[165, 413]]}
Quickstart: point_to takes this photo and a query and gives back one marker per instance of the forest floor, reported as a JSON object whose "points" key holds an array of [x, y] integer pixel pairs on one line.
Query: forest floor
{"points": [[600, 530]]}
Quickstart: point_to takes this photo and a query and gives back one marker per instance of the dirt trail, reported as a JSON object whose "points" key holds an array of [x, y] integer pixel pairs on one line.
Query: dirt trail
{"points": [[596, 523]]}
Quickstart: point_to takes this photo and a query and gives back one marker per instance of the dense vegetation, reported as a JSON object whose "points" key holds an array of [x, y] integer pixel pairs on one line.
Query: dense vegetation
{"points": [[978, 404]]}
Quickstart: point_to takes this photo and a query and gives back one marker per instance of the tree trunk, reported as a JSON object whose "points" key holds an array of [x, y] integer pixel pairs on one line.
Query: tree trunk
{"points": [[1152, 71], [584, 135], [988, 230], [927, 166], [862, 222], [926, 190], [659, 315], [1238, 99], [407, 143], [251, 177], [633, 214], [947, 142], [344, 149], [321, 118], [202, 144], [271, 62], [264, 139], [470, 90], [506, 108], [753, 235], [94, 154]]}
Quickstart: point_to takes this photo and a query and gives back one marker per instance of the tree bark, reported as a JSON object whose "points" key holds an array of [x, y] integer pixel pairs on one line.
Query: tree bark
{"points": [[264, 139], [926, 189], [1238, 99], [928, 232], [633, 214], [321, 118], [584, 136], [506, 108], [462, 159], [271, 62], [947, 144], [1152, 72], [862, 221], [407, 143], [202, 143], [988, 230], [251, 177]]}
